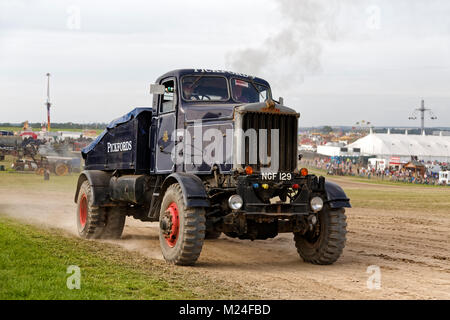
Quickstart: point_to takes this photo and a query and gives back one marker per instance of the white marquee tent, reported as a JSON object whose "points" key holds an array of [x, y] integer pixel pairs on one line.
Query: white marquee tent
{"points": [[385, 145]]}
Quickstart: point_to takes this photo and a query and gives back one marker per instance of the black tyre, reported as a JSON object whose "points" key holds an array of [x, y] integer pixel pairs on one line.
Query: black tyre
{"points": [[97, 222], [114, 224], [326, 245], [182, 229], [210, 235]]}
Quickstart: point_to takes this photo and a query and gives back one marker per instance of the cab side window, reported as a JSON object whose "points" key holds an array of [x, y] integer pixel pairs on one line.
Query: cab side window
{"points": [[168, 99]]}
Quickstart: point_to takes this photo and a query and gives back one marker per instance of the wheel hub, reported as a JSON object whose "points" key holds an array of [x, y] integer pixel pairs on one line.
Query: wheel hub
{"points": [[170, 224], [83, 210]]}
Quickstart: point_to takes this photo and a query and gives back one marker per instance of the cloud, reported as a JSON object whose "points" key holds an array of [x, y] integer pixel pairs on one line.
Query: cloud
{"points": [[326, 57]]}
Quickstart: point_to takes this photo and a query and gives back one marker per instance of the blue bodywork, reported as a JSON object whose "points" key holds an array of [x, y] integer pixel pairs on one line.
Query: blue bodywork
{"points": [[159, 127], [123, 119], [123, 145], [336, 196]]}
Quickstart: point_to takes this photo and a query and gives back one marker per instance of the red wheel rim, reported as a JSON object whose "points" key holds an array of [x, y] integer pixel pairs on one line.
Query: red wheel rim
{"points": [[172, 237], [83, 210]]}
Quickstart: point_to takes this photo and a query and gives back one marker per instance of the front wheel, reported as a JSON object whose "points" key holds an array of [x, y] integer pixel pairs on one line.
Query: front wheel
{"points": [[325, 243], [182, 229]]}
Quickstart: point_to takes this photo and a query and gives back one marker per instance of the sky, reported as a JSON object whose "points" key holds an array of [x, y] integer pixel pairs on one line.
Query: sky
{"points": [[337, 62]]}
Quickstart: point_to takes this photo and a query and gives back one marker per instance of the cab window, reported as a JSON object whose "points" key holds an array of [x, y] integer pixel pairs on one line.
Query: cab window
{"points": [[168, 99], [248, 92], [204, 88]]}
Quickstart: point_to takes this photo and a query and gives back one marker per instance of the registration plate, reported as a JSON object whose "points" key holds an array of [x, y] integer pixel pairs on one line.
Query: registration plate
{"points": [[281, 176]]}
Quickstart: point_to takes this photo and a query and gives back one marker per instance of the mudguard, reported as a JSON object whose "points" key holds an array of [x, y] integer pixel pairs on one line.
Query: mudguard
{"points": [[194, 192], [336, 197], [99, 181]]}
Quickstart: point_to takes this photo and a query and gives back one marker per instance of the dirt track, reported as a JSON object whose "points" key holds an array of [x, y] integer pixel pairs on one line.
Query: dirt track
{"points": [[411, 248]]}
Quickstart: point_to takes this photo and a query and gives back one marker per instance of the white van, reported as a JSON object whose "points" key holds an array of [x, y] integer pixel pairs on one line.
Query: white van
{"points": [[444, 177], [376, 163]]}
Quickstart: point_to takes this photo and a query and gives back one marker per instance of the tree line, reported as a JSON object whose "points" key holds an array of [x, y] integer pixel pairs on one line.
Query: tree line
{"points": [[58, 125]]}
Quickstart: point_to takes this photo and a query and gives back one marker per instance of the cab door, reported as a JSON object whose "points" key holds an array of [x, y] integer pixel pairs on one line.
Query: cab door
{"points": [[166, 126]]}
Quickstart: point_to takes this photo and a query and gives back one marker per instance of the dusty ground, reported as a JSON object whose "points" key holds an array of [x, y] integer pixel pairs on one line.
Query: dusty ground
{"points": [[411, 247]]}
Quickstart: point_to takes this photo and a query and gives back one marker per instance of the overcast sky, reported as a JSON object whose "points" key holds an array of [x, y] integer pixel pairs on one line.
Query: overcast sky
{"points": [[336, 62]]}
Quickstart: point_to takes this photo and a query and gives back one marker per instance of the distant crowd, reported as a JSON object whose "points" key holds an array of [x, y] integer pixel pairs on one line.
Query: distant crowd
{"points": [[351, 169]]}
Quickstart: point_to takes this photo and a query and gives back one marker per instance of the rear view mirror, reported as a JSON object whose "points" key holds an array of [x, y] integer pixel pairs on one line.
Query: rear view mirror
{"points": [[157, 89]]}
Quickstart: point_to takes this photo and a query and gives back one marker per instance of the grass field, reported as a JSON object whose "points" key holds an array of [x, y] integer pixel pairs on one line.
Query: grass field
{"points": [[30, 180], [426, 200], [34, 262], [15, 129]]}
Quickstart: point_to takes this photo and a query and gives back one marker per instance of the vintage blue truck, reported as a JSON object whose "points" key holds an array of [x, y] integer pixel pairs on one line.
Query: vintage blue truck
{"points": [[214, 154]]}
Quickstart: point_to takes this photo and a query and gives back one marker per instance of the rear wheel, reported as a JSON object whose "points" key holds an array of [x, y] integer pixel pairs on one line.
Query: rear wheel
{"points": [[97, 222], [114, 224], [325, 243], [182, 229]]}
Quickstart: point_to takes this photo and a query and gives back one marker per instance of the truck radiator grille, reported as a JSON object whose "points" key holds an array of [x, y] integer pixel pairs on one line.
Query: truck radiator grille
{"points": [[288, 131]]}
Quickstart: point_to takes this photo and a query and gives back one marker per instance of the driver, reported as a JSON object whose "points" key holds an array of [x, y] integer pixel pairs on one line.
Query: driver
{"points": [[238, 94], [187, 91]]}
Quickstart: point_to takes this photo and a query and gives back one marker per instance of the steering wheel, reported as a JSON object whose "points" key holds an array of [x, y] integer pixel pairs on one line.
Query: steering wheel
{"points": [[206, 96], [197, 97]]}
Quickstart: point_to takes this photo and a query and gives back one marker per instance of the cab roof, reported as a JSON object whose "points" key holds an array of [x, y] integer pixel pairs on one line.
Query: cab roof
{"points": [[178, 73]]}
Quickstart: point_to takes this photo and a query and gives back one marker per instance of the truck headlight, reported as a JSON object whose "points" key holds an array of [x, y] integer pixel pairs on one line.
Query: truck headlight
{"points": [[235, 202], [316, 204]]}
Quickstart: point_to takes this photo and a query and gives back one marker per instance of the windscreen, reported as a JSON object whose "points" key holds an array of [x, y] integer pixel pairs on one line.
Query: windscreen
{"points": [[248, 92], [204, 88]]}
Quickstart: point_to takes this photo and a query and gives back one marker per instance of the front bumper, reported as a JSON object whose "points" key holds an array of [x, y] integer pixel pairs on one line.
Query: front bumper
{"points": [[257, 205]]}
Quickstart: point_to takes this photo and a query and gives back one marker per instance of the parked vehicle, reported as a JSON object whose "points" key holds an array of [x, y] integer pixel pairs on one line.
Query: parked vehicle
{"points": [[444, 177]]}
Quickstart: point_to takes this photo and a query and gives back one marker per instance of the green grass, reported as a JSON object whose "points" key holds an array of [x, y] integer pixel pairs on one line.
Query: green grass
{"points": [[34, 262], [16, 129], [30, 180], [431, 200]]}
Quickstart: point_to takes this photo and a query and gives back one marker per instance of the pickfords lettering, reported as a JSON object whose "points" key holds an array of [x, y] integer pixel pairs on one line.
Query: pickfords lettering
{"points": [[120, 146]]}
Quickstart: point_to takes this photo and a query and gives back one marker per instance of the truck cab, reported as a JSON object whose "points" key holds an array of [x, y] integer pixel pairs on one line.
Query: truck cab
{"points": [[214, 154]]}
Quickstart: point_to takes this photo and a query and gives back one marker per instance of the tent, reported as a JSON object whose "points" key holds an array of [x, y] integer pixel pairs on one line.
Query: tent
{"points": [[416, 166], [385, 145]]}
